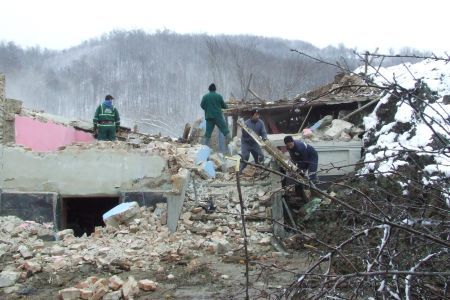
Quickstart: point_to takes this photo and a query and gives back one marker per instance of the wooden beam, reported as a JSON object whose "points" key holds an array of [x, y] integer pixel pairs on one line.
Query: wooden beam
{"points": [[360, 109], [254, 94], [248, 87], [284, 162], [304, 120]]}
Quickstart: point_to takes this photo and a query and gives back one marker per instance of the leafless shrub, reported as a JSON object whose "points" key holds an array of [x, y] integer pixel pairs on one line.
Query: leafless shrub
{"points": [[386, 233]]}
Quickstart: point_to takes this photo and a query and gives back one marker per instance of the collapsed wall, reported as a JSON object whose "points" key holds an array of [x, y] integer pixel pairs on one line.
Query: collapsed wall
{"points": [[147, 175], [80, 171]]}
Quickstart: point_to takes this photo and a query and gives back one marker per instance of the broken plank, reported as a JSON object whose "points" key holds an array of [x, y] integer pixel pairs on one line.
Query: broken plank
{"points": [[271, 150]]}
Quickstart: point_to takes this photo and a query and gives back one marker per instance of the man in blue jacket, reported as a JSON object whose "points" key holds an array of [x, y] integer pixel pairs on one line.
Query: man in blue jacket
{"points": [[248, 144], [303, 155]]}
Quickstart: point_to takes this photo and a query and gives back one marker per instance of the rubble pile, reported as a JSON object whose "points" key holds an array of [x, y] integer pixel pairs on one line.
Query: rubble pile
{"points": [[142, 243], [107, 288], [344, 86], [328, 129]]}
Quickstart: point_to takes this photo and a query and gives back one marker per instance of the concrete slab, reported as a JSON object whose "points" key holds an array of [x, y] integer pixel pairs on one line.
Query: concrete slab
{"points": [[79, 171], [202, 155], [278, 215], [175, 201], [121, 213], [208, 168]]}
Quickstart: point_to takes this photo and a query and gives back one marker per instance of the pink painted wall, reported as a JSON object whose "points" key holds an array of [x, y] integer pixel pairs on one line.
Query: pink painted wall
{"points": [[45, 137]]}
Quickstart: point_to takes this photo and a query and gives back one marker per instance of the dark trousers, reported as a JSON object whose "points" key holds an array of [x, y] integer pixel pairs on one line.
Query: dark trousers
{"points": [[310, 165], [220, 122], [106, 132], [250, 148]]}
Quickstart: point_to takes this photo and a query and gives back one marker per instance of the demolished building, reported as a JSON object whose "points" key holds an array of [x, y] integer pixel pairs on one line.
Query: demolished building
{"points": [[344, 100], [152, 172], [53, 170], [346, 94], [61, 188], [62, 175]]}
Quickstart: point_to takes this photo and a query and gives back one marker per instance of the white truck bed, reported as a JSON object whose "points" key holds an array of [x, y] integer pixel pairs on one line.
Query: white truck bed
{"points": [[332, 154]]}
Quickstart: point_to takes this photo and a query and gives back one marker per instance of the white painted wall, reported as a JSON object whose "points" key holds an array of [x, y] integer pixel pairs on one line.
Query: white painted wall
{"points": [[80, 171]]}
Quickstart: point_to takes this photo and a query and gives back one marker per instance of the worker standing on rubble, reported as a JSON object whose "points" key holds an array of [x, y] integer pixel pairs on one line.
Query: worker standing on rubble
{"points": [[106, 120], [303, 155], [248, 144], [212, 103]]}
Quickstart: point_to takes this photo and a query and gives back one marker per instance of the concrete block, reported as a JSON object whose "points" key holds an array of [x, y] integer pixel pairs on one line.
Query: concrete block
{"points": [[25, 252], [86, 294], [147, 285], [8, 278], [130, 289], [202, 155], [117, 295], [121, 213], [69, 293], [99, 292], [61, 235], [179, 180], [207, 170], [337, 126], [32, 266], [115, 283]]}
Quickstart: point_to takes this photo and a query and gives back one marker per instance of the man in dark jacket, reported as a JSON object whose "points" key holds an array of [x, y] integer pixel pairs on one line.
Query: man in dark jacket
{"points": [[248, 144], [106, 120], [303, 155], [212, 103]]}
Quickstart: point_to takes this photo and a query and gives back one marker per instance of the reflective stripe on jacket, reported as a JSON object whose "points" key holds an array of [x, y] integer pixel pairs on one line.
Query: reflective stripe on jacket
{"points": [[106, 113]]}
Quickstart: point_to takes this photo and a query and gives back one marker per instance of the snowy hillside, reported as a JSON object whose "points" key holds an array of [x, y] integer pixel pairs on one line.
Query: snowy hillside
{"points": [[410, 127]]}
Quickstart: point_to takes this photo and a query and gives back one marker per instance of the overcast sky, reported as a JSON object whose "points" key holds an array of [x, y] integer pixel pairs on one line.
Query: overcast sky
{"points": [[59, 24]]}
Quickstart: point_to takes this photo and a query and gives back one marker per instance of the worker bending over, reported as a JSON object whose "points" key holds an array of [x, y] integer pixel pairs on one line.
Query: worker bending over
{"points": [[303, 155]]}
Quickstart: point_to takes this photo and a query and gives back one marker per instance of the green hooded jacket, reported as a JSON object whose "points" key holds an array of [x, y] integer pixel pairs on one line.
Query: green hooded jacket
{"points": [[105, 113], [212, 104]]}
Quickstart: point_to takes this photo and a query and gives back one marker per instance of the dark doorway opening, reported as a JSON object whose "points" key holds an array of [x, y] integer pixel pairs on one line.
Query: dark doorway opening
{"points": [[83, 214]]}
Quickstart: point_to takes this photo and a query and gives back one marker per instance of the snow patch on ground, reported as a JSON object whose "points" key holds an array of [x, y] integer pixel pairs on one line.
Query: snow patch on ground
{"points": [[384, 154]]}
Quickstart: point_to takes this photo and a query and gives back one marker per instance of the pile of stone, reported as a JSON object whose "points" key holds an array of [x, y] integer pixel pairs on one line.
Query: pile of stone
{"points": [[142, 242], [20, 240], [113, 288], [328, 129]]}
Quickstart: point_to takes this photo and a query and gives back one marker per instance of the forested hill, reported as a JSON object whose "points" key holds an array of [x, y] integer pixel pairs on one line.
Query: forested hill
{"points": [[158, 79]]}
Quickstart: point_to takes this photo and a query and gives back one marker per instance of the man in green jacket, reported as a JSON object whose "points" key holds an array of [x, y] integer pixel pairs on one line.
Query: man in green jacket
{"points": [[106, 120], [212, 104]]}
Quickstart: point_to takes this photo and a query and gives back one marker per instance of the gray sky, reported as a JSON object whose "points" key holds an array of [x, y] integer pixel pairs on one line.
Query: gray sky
{"points": [[59, 24]]}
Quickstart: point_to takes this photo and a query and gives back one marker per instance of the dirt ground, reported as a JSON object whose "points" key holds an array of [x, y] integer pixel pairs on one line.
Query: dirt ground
{"points": [[207, 277]]}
